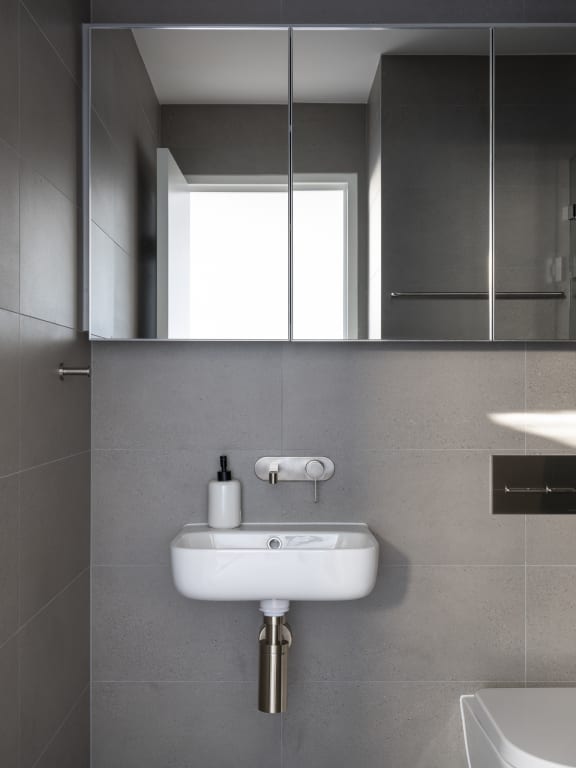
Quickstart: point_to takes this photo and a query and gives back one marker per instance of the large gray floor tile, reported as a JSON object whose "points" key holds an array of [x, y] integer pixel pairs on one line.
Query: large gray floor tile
{"points": [[222, 11], [144, 630], [550, 404], [9, 393], [423, 623], [397, 11], [219, 396], [9, 705], [9, 80], [55, 414], [54, 529], [409, 397], [9, 228], [550, 623], [427, 507], [209, 725], [8, 557], [158, 492], [70, 747], [54, 667], [336, 725], [48, 251], [50, 111], [60, 21]]}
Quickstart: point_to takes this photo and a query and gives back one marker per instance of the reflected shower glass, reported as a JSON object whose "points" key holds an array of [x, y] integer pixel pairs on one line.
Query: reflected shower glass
{"points": [[391, 157], [534, 183], [189, 184]]}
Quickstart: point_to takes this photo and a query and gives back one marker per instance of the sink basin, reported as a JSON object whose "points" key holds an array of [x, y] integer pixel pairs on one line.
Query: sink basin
{"points": [[296, 561]]}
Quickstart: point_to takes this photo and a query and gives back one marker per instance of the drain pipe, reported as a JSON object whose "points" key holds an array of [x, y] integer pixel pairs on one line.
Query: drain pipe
{"points": [[275, 639]]}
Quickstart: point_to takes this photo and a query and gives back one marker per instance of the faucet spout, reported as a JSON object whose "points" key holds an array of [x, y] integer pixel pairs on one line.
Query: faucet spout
{"points": [[273, 470]]}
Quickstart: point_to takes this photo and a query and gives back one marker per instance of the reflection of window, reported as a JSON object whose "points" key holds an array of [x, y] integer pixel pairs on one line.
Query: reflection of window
{"points": [[224, 273], [324, 257], [238, 278]]}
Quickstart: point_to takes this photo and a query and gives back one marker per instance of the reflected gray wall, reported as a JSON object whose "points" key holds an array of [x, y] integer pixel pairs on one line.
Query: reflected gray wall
{"points": [[125, 134], [463, 600], [435, 171], [535, 134], [227, 139], [44, 423], [252, 139]]}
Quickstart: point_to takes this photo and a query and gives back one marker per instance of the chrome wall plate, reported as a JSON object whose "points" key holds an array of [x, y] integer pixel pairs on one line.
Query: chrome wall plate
{"points": [[292, 468]]}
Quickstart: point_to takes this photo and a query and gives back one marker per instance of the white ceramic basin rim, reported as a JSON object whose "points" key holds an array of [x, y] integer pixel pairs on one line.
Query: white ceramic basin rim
{"points": [[299, 561]]}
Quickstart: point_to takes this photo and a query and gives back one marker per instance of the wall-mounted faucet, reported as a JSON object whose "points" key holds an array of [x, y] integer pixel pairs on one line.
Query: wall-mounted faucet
{"points": [[276, 469]]}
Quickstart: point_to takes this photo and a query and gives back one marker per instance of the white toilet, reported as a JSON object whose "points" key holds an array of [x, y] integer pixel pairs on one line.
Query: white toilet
{"points": [[520, 728]]}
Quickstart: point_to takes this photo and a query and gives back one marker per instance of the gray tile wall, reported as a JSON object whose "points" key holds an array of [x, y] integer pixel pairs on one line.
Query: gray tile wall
{"points": [[463, 599], [45, 432]]}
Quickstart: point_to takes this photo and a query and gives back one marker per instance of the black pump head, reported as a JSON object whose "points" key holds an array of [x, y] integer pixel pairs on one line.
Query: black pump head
{"points": [[224, 473]]}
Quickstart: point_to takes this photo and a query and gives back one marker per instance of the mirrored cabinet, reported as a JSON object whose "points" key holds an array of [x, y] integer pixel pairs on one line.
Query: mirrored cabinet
{"points": [[534, 183], [391, 183], [344, 184]]}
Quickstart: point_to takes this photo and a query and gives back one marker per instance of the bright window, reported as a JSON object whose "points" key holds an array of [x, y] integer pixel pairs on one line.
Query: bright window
{"points": [[238, 276], [319, 262], [238, 262]]}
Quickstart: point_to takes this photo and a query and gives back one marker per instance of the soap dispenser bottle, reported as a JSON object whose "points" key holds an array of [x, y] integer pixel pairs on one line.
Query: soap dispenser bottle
{"points": [[224, 506]]}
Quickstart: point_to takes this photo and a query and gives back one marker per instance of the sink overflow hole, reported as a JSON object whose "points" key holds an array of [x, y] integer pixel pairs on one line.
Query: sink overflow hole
{"points": [[274, 543]]}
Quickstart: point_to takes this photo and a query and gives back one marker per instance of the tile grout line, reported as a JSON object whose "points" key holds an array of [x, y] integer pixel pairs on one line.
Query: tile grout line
{"points": [[253, 683], [90, 563], [525, 600], [52, 461], [53, 599], [77, 83], [18, 313], [521, 564], [161, 448], [282, 361]]}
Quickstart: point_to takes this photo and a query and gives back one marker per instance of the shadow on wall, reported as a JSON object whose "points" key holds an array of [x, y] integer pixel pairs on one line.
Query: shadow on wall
{"points": [[333, 637], [146, 229]]}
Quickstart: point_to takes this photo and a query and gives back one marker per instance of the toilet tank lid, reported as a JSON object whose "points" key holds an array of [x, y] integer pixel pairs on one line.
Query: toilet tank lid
{"points": [[531, 727]]}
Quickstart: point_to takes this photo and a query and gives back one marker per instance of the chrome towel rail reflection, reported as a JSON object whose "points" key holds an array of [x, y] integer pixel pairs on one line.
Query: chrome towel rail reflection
{"points": [[546, 489], [63, 371], [477, 295]]}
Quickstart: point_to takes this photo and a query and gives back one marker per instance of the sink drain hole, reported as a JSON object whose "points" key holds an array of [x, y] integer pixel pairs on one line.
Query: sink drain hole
{"points": [[274, 543]]}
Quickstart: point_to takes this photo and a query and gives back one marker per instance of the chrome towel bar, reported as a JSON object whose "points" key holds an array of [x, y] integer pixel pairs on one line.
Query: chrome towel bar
{"points": [[477, 295], [546, 489], [65, 371]]}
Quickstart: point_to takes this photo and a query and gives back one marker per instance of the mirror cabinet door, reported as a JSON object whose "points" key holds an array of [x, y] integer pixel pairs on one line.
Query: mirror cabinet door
{"points": [[391, 158], [534, 183], [189, 161]]}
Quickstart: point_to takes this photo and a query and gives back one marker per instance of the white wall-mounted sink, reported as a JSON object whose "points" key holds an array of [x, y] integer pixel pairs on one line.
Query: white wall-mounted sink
{"points": [[294, 561]]}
